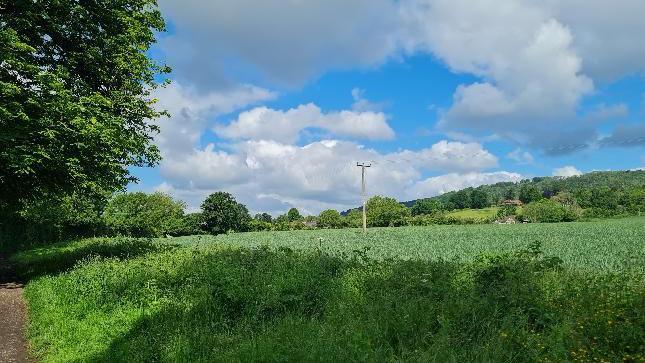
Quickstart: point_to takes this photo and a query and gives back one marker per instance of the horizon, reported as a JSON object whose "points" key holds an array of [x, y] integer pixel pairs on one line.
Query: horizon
{"points": [[276, 102]]}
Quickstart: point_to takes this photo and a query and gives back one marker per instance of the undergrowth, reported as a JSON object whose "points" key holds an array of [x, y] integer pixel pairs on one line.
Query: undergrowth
{"points": [[239, 304]]}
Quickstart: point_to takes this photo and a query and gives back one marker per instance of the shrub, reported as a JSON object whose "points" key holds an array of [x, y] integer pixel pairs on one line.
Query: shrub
{"points": [[386, 212], [255, 225], [222, 213], [548, 211], [144, 215]]}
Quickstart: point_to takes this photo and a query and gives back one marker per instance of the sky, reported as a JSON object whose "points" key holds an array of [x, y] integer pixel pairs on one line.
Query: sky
{"points": [[275, 101]]}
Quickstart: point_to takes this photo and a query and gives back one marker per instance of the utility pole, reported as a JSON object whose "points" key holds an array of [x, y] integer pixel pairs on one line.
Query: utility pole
{"points": [[363, 194]]}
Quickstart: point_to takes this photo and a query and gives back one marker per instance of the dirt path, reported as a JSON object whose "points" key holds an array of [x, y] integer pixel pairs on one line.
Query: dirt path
{"points": [[13, 345]]}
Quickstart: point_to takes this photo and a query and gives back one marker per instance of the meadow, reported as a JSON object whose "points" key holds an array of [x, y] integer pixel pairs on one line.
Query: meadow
{"points": [[504, 293]]}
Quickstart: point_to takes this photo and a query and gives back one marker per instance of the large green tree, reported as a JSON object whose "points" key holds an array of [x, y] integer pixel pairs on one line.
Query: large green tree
{"points": [[222, 213], [75, 96]]}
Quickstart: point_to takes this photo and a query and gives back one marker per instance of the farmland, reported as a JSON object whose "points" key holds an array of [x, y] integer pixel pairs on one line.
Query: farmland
{"points": [[440, 293], [607, 244]]}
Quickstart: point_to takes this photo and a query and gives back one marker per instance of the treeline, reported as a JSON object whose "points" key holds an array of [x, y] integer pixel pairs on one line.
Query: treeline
{"points": [[595, 195], [584, 187]]}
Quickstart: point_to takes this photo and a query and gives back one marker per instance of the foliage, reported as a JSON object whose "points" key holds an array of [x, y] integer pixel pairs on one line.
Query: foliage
{"points": [[263, 217], [549, 211], [426, 206], [75, 110], [330, 218], [49, 221], [293, 215], [479, 199], [506, 211], [256, 225], [529, 193], [217, 302], [144, 215], [222, 213], [386, 212], [192, 223]]}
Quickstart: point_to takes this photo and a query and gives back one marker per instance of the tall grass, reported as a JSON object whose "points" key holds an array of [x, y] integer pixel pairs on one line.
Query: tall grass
{"points": [[232, 303]]}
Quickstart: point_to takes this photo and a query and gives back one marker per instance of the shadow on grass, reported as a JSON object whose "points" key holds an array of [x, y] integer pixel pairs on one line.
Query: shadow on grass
{"points": [[61, 257], [287, 307]]}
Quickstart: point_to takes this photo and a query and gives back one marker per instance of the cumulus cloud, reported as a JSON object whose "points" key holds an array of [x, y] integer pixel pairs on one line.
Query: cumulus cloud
{"points": [[535, 60], [520, 156], [288, 41], [453, 181], [286, 126], [321, 174], [190, 112], [566, 171]]}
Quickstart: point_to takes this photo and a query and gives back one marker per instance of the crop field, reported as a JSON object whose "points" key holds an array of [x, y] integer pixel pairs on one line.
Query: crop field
{"points": [[609, 245], [477, 214], [431, 294]]}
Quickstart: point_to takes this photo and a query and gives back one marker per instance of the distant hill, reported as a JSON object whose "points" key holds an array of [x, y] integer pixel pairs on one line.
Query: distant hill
{"points": [[548, 186]]}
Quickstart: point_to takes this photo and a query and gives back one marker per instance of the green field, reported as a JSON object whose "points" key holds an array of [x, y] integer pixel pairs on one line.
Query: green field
{"points": [[483, 214], [609, 245], [418, 294]]}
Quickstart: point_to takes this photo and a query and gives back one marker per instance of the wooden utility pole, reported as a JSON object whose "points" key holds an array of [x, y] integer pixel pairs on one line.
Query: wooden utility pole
{"points": [[363, 194]]}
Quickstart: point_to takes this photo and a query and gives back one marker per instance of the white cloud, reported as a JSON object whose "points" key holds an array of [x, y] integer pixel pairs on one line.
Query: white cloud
{"points": [[566, 171], [450, 182], [269, 175], [449, 156], [263, 123], [521, 156], [191, 112], [289, 41]]}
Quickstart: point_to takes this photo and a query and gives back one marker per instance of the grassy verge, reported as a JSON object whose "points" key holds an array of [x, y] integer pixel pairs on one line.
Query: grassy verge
{"points": [[233, 303]]}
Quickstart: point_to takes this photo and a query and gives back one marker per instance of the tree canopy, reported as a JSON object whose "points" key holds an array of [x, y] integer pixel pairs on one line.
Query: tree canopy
{"points": [[76, 103], [222, 213]]}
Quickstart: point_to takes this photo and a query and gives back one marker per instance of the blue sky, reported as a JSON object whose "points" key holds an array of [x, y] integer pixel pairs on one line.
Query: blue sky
{"points": [[276, 101]]}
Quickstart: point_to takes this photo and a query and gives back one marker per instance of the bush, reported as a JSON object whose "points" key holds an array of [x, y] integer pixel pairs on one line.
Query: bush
{"points": [[144, 215], [259, 226], [330, 218], [222, 213], [386, 212], [548, 211]]}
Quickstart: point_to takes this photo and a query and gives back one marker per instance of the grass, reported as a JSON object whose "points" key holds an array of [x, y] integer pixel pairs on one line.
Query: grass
{"points": [[483, 214], [291, 297]]}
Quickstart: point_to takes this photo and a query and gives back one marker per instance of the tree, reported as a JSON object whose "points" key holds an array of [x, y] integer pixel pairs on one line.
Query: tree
{"points": [[75, 111], [293, 215], [479, 199], [529, 193], [222, 213], [386, 212], [144, 215], [263, 217], [426, 206], [192, 224], [460, 199], [509, 194], [330, 218]]}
